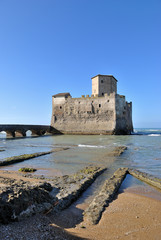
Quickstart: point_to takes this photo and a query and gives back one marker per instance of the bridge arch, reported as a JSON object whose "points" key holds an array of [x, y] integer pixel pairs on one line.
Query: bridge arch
{"points": [[37, 132], [18, 130]]}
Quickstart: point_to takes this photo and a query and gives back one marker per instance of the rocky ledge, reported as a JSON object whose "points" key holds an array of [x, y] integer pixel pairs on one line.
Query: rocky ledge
{"points": [[94, 212], [145, 177], [71, 186], [18, 196], [19, 199]]}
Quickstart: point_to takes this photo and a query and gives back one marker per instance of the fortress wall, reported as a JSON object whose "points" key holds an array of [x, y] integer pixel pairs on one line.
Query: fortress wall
{"points": [[94, 115], [123, 115]]}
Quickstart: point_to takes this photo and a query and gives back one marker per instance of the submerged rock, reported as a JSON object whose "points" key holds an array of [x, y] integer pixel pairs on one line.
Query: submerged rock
{"points": [[21, 158], [117, 151]]}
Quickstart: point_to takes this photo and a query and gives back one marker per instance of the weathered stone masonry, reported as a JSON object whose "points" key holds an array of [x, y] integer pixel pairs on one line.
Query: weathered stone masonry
{"points": [[104, 112]]}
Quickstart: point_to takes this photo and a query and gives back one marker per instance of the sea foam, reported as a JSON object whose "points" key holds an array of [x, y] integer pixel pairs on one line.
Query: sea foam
{"points": [[154, 135], [90, 146]]}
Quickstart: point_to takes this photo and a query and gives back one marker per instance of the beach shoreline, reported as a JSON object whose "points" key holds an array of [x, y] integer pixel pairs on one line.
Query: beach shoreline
{"points": [[131, 215]]}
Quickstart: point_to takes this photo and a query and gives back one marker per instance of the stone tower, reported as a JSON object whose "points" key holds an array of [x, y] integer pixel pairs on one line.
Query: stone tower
{"points": [[102, 84], [105, 112]]}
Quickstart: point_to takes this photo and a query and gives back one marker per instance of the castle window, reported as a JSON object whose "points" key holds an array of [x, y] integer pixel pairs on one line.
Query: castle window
{"points": [[60, 107], [99, 105], [101, 81]]}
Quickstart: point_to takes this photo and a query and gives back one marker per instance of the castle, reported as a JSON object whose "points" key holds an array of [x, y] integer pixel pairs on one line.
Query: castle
{"points": [[104, 112]]}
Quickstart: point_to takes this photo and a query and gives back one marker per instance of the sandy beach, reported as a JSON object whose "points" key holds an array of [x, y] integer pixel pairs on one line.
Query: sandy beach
{"points": [[132, 215]]}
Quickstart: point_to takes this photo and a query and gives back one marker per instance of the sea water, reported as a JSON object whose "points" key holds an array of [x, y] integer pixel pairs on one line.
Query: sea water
{"points": [[143, 153]]}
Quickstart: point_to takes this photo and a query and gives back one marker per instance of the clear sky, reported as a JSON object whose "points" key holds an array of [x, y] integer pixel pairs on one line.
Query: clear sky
{"points": [[52, 46]]}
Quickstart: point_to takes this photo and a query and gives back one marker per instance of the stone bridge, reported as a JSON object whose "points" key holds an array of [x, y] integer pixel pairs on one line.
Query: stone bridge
{"points": [[18, 130]]}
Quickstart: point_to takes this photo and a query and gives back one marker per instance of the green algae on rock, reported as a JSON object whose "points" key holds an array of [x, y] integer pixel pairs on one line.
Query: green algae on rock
{"points": [[24, 169]]}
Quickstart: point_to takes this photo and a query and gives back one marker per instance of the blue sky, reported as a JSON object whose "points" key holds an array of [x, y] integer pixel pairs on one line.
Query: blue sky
{"points": [[52, 46]]}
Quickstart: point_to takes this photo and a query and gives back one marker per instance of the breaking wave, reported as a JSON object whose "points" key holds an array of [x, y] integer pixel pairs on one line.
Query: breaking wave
{"points": [[154, 135], [148, 131], [90, 146]]}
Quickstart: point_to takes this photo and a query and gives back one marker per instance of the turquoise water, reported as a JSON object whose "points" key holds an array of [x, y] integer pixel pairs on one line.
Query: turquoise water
{"points": [[143, 153]]}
